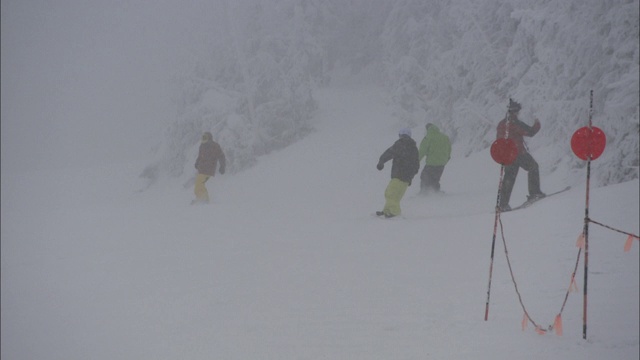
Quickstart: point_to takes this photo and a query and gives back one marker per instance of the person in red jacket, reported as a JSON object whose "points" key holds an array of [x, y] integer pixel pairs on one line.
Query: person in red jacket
{"points": [[209, 155], [513, 128]]}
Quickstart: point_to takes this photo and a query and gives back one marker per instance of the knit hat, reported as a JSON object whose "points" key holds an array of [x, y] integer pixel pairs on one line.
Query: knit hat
{"points": [[514, 106], [206, 137], [405, 131]]}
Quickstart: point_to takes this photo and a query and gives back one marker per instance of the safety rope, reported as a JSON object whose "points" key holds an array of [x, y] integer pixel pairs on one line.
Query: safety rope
{"points": [[614, 229], [538, 328]]}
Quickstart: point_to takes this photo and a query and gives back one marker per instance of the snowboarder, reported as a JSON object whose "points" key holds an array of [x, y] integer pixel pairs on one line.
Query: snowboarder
{"points": [[513, 128], [436, 147], [404, 153], [209, 155]]}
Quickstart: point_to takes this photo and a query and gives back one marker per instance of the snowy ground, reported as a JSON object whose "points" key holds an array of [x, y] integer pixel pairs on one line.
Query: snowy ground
{"points": [[289, 263]]}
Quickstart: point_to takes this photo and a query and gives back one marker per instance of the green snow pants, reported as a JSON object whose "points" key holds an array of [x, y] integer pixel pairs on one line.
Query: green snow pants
{"points": [[393, 194]]}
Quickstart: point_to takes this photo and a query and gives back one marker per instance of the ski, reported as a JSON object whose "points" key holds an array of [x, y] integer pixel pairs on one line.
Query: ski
{"points": [[528, 203]]}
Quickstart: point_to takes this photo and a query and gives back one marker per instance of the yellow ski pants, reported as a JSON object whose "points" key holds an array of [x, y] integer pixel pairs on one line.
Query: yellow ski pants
{"points": [[393, 194], [202, 195]]}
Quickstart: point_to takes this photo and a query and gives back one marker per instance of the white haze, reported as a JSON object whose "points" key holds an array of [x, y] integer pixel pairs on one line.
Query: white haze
{"points": [[93, 82], [86, 82], [452, 62], [288, 263]]}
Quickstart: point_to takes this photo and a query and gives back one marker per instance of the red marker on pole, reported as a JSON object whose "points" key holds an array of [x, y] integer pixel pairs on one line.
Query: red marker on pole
{"points": [[587, 143]]}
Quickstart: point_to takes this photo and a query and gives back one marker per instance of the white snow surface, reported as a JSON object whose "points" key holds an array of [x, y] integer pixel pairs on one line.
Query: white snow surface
{"points": [[288, 262]]}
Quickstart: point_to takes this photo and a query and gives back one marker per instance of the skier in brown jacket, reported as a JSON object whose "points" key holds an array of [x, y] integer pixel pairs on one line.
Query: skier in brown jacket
{"points": [[209, 155]]}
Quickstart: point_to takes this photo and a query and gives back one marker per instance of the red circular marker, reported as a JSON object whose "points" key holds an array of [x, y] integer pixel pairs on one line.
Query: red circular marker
{"points": [[588, 143], [504, 151]]}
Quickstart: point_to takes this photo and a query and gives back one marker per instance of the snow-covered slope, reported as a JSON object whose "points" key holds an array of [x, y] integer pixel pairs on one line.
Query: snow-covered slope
{"points": [[289, 263]]}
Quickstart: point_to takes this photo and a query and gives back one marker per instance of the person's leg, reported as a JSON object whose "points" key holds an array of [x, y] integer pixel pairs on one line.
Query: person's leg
{"points": [[436, 174], [533, 173], [200, 190], [393, 194], [509, 179], [424, 180]]}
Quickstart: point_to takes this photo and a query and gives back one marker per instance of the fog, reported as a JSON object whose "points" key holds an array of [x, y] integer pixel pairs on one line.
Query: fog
{"points": [[92, 81], [86, 82], [288, 261]]}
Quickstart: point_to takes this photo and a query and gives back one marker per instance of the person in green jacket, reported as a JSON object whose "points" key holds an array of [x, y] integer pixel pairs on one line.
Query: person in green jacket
{"points": [[436, 147]]}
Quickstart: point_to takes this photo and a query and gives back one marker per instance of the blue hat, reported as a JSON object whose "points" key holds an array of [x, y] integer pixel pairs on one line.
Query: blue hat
{"points": [[405, 131]]}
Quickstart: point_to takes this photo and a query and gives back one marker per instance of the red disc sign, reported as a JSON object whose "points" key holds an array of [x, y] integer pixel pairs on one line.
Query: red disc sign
{"points": [[588, 143], [504, 151]]}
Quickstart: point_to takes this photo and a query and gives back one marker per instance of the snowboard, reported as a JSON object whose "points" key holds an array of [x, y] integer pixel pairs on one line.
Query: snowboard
{"points": [[380, 215], [528, 203]]}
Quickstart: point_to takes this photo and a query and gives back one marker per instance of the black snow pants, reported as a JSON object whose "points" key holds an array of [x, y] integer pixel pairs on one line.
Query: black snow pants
{"points": [[527, 163], [430, 178]]}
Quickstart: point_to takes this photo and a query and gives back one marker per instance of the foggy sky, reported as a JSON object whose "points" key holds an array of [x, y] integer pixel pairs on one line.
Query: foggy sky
{"points": [[92, 81]]}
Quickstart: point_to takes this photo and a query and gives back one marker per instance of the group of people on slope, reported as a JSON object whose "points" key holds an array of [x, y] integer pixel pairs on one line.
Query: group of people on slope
{"points": [[436, 147], [406, 157]]}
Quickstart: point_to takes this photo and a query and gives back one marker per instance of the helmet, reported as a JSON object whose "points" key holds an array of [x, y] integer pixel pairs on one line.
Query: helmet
{"points": [[405, 131], [514, 106]]}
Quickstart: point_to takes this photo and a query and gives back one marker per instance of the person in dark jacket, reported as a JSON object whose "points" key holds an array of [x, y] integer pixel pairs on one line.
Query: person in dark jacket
{"points": [[513, 128], [405, 166], [209, 156], [436, 147]]}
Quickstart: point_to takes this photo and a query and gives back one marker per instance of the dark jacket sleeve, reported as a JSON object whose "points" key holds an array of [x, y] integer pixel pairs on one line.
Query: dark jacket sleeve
{"points": [[526, 130], [387, 155]]}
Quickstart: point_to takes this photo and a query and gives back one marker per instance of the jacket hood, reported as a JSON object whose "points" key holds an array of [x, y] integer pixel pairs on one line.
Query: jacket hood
{"points": [[432, 127]]}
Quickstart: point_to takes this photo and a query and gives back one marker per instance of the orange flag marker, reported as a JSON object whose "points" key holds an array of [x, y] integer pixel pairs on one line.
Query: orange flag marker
{"points": [[557, 325], [580, 241], [573, 286], [627, 245], [524, 321], [539, 330]]}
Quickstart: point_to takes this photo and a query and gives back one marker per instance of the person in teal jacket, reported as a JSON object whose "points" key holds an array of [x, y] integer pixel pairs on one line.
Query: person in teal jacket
{"points": [[436, 147]]}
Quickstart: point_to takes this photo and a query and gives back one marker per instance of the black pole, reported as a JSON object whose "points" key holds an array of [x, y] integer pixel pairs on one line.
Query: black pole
{"points": [[495, 223], [493, 243], [585, 231]]}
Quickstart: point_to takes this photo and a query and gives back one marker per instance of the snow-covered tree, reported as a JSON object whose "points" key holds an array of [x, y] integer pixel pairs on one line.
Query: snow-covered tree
{"points": [[452, 62], [457, 62]]}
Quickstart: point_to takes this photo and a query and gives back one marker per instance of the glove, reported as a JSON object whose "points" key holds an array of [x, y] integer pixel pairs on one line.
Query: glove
{"points": [[221, 171], [380, 166]]}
